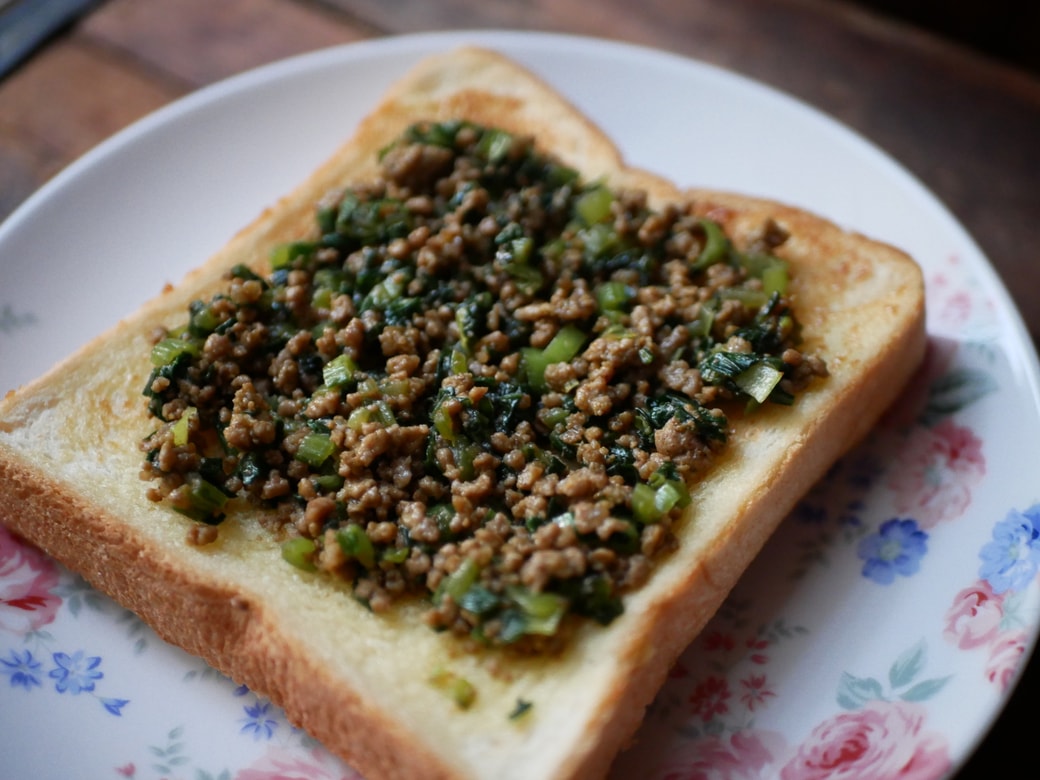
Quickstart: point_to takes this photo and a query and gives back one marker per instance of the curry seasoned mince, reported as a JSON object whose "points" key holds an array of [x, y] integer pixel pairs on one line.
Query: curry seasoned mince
{"points": [[481, 379]]}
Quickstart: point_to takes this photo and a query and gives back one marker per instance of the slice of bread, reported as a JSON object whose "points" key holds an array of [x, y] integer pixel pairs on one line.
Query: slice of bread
{"points": [[361, 682]]}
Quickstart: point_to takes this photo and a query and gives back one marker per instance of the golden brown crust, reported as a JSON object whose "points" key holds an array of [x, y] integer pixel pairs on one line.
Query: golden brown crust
{"points": [[338, 671]]}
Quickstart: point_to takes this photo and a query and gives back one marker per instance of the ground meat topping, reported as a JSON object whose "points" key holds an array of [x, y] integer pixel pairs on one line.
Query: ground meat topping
{"points": [[480, 379]]}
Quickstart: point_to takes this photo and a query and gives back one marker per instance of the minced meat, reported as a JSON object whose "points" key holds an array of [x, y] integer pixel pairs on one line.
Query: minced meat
{"points": [[480, 379]]}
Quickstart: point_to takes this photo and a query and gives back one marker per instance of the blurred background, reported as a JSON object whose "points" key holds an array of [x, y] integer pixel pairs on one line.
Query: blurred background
{"points": [[1004, 29]]}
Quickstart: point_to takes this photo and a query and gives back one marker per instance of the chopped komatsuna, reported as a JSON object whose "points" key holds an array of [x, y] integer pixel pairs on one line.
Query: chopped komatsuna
{"points": [[459, 689], [478, 379], [299, 551], [522, 708]]}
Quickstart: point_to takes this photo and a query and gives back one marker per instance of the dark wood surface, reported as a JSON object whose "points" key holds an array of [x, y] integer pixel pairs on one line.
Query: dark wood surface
{"points": [[967, 125]]}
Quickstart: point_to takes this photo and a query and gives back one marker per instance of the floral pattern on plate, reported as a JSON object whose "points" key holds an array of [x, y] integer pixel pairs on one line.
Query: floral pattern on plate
{"points": [[12, 319], [29, 601]]}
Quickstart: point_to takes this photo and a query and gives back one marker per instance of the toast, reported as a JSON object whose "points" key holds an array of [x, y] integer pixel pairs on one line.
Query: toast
{"points": [[358, 681]]}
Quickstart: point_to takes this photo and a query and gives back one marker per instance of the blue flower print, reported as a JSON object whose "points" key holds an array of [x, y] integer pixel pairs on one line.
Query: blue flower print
{"points": [[897, 548], [75, 673], [257, 722], [21, 670], [1010, 559], [115, 706]]}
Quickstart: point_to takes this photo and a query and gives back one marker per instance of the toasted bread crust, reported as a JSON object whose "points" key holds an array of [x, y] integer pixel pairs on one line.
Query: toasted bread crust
{"points": [[302, 641]]}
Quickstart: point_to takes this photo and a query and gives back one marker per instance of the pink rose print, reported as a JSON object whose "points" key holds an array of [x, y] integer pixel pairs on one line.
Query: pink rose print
{"points": [[936, 472], [974, 618], [745, 755], [1005, 658], [709, 698], [951, 303], [283, 764], [27, 578], [957, 308], [882, 741]]}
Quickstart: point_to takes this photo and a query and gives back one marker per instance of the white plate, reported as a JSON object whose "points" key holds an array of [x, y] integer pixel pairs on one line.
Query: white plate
{"points": [[831, 641]]}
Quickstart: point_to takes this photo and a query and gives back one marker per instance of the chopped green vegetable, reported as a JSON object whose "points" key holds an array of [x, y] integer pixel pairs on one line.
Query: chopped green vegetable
{"points": [[701, 327], [660, 409], [775, 278], [716, 245], [752, 299], [613, 296], [359, 417], [167, 351], [593, 205], [563, 347], [672, 491], [542, 612], [384, 294], [759, 380], [644, 504], [459, 581], [479, 600], [755, 375], [315, 449], [522, 708], [458, 362], [461, 690], [356, 544], [180, 428], [322, 298], [470, 319], [339, 371], [299, 551], [204, 320], [600, 242], [205, 500], [284, 254], [328, 483], [554, 416], [395, 555], [436, 133], [384, 414], [369, 222], [495, 144], [514, 254], [442, 515], [594, 597]]}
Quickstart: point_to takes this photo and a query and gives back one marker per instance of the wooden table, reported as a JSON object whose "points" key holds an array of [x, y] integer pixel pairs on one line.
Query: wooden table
{"points": [[968, 127]]}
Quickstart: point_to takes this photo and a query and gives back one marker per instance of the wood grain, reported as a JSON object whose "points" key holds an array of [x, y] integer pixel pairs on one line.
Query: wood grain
{"points": [[67, 100], [202, 41]]}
